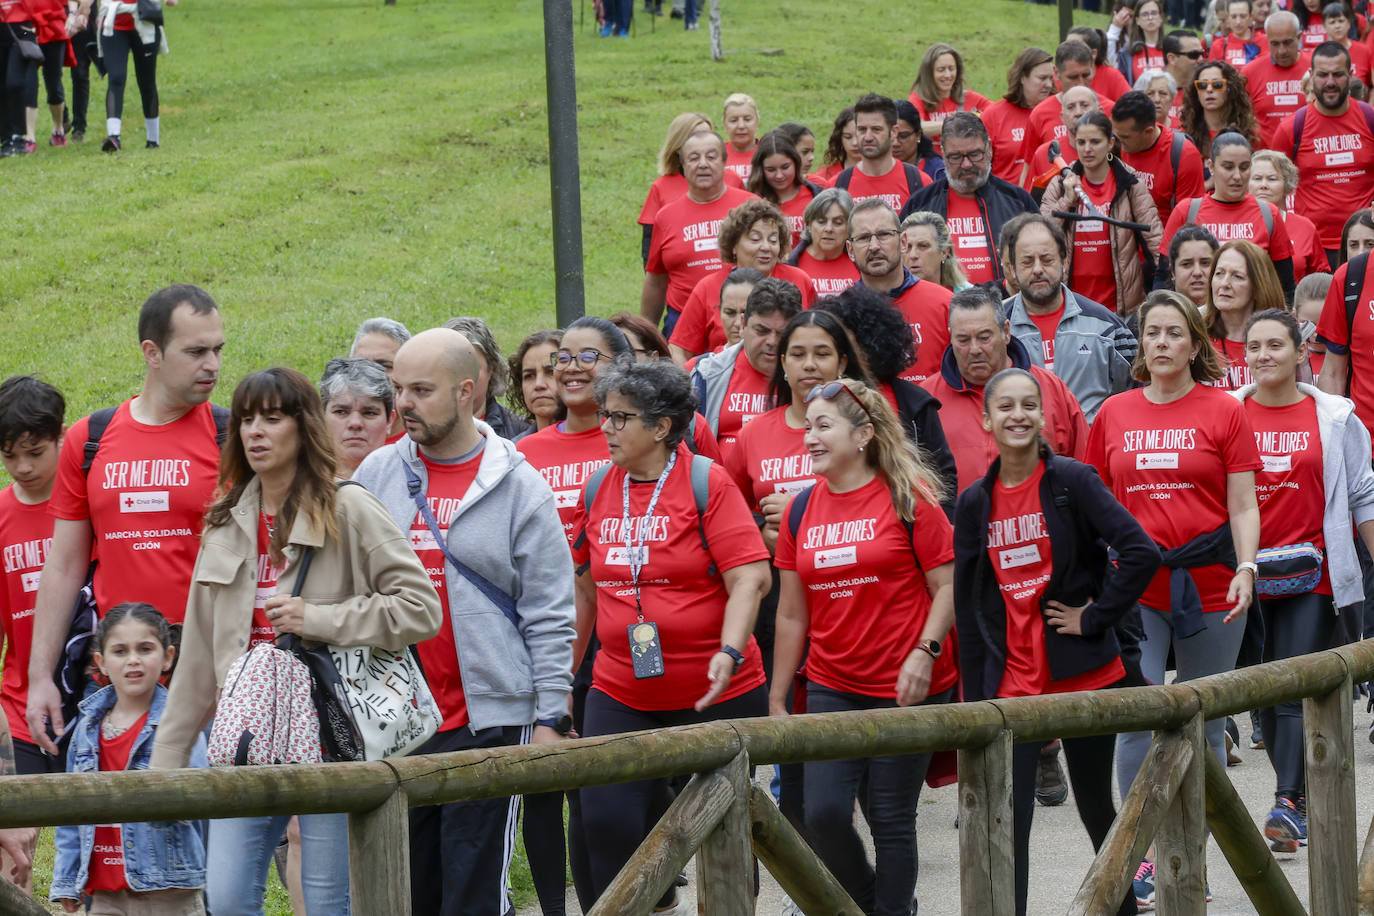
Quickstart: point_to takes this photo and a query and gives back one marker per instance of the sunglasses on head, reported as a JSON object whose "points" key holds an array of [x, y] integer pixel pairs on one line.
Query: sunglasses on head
{"points": [[1204, 85], [830, 389]]}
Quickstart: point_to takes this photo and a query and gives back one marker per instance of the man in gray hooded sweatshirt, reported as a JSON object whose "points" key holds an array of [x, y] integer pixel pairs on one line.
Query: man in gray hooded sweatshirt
{"points": [[484, 524]]}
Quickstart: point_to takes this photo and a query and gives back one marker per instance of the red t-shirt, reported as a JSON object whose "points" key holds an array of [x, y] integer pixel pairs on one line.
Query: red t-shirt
{"points": [[972, 102], [1236, 51], [685, 241], [1357, 340], [1047, 120], [145, 497], [1155, 167], [261, 630], [741, 163], [1176, 111], [1290, 488], [1167, 464], [828, 278], [769, 457], [26, 537], [565, 460], [106, 871], [891, 186], [1359, 61], [676, 590], [1314, 34], [1275, 93], [1233, 220], [1006, 124], [746, 397], [865, 585], [698, 329], [793, 210], [1048, 326], [1147, 58], [1021, 554], [1238, 373], [970, 239], [826, 176], [1308, 255], [1094, 273], [1336, 161], [669, 188], [925, 306], [448, 484], [1109, 83]]}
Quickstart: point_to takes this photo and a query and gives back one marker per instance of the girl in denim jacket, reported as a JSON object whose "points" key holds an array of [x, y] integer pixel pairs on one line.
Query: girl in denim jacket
{"points": [[148, 869]]}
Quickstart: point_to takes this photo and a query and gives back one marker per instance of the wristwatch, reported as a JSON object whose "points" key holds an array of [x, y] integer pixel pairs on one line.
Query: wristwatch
{"points": [[734, 654], [563, 724], [930, 646], [1253, 567]]}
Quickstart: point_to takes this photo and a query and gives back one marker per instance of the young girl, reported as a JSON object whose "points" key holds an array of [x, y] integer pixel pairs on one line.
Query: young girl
{"points": [[148, 869]]}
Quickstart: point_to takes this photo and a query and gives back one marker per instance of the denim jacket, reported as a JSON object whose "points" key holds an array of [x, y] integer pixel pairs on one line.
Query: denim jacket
{"points": [[157, 856]]}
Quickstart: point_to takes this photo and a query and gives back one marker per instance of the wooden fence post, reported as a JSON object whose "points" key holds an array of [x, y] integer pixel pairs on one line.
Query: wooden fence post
{"points": [[1181, 843], [725, 861], [1366, 888], [16, 902], [987, 877], [379, 857], [1247, 852], [797, 868], [1328, 725]]}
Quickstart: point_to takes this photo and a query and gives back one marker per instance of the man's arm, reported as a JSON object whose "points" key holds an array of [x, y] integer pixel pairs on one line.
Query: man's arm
{"points": [[654, 297], [63, 575], [17, 842], [1335, 369]]}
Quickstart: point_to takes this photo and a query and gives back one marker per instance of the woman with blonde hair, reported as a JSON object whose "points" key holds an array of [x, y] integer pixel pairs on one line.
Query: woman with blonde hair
{"points": [[928, 252], [671, 184], [865, 557], [1274, 177], [939, 90]]}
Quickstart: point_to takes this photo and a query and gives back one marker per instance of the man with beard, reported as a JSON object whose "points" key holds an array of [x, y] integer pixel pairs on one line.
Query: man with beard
{"points": [[875, 244], [500, 669], [1080, 341], [974, 202], [1331, 142], [878, 173]]}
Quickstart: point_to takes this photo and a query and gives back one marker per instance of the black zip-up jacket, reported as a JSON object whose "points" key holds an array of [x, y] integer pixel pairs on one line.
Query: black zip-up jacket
{"points": [[919, 412], [1080, 515], [998, 201]]}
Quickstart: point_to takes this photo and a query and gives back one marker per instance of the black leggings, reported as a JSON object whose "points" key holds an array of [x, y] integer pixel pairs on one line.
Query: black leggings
{"points": [[20, 76], [54, 59], [617, 818], [1090, 774], [888, 887], [1295, 626], [115, 50], [83, 44]]}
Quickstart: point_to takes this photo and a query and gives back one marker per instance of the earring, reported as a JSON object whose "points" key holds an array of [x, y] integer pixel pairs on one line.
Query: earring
{"points": [[861, 448], [1110, 157]]}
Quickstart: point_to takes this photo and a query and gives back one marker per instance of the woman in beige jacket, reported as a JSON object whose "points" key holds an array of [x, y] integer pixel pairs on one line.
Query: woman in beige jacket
{"points": [[365, 587], [1106, 263]]}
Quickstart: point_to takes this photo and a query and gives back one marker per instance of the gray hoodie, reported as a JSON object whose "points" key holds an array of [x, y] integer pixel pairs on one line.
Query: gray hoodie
{"points": [[507, 529], [1349, 484]]}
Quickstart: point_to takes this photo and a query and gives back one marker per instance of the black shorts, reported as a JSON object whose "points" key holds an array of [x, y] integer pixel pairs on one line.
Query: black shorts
{"points": [[32, 760]]}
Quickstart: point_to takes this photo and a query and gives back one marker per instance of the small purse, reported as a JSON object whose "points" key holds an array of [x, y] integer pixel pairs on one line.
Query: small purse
{"points": [[1293, 569], [150, 11], [28, 48]]}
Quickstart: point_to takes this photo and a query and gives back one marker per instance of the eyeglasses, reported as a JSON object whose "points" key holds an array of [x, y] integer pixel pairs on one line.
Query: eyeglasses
{"points": [[1193, 55], [974, 158], [1204, 85], [1151, 14], [903, 135], [830, 389], [883, 236], [586, 358], [618, 418]]}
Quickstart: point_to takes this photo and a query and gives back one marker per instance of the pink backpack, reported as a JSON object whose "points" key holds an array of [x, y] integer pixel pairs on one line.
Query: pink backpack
{"points": [[265, 713]]}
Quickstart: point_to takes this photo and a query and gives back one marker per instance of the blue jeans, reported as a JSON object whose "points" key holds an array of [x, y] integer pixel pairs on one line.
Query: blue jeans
{"points": [[240, 848]]}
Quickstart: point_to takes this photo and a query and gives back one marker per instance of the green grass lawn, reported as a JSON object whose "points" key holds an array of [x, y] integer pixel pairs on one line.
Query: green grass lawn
{"points": [[324, 162]]}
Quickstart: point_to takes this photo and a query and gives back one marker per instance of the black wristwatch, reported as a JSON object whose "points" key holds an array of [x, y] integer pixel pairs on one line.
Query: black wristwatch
{"points": [[735, 654], [563, 724], [930, 646]]}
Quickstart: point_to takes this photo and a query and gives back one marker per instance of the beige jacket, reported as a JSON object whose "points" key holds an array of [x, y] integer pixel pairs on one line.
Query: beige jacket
{"points": [[365, 589], [1132, 203]]}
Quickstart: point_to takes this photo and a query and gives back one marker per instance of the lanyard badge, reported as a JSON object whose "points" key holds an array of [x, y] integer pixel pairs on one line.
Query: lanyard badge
{"points": [[646, 651]]}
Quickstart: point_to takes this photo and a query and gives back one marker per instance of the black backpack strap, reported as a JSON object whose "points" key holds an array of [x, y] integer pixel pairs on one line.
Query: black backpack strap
{"points": [[842, 179], [221, 417], [701, 495], [1175, 156], [96, 425], [1299, 117], [797, 509], [913, 179], [1354, 286]]}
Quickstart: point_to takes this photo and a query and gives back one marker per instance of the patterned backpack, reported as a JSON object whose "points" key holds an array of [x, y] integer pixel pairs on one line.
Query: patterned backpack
{"points": [[265, 713]]}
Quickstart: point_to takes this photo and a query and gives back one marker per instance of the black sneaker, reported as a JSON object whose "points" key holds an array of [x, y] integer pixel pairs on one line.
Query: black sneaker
{"points": [[77, 136], [110, 145], [675, 14], [7, 150], [1051, 788], [152, 144]]}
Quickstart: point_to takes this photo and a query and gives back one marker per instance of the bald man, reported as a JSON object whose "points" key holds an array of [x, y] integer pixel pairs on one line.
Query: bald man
{"points": [[484, 524]]}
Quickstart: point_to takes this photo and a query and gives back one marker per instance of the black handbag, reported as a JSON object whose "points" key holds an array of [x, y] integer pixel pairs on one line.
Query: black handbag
{"points": [[28, 48], [150, 11]]}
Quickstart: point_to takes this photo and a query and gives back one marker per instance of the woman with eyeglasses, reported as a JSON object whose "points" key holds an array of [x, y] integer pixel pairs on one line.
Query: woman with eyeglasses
{"points": [[1038, 601], [671, 568], [1232, 212], [865, 558], [1135, 38], [910, 144], [1215, 100]]}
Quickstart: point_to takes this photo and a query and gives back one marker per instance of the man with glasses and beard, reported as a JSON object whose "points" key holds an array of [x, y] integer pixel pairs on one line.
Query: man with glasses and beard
{"points": [[1331, 141], [973, 202]]}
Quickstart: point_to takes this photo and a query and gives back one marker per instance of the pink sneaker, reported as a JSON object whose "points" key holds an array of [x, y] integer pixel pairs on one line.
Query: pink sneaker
{"points": [[57, 139]]}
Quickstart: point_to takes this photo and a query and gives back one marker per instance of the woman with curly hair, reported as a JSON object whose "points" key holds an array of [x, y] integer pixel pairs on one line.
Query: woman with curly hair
{"points": [[534, 395], [1030, 80], [939, 90], [1216, 100], [756, 235], [841, 152]]}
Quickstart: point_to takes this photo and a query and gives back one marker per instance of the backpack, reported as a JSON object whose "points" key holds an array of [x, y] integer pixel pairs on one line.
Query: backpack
{"points": [[701, 494], [1175, 154], [1266, 210], [1354, 285], [1300, 118], [797, 508], [914, 181], [265, 713], [73, 665]]}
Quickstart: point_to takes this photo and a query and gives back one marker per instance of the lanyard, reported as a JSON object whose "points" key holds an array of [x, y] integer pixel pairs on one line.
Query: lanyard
{"points": [[635, 553]]}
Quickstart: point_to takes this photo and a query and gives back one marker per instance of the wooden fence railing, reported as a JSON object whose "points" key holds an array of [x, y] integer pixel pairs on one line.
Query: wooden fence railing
{"points": [[1181, 792]]}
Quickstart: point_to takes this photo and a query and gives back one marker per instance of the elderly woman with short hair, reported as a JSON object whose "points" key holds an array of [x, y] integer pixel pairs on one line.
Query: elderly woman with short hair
{"points": [[928, 252], [1162, 89], [673, 598], [359, 405]]}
